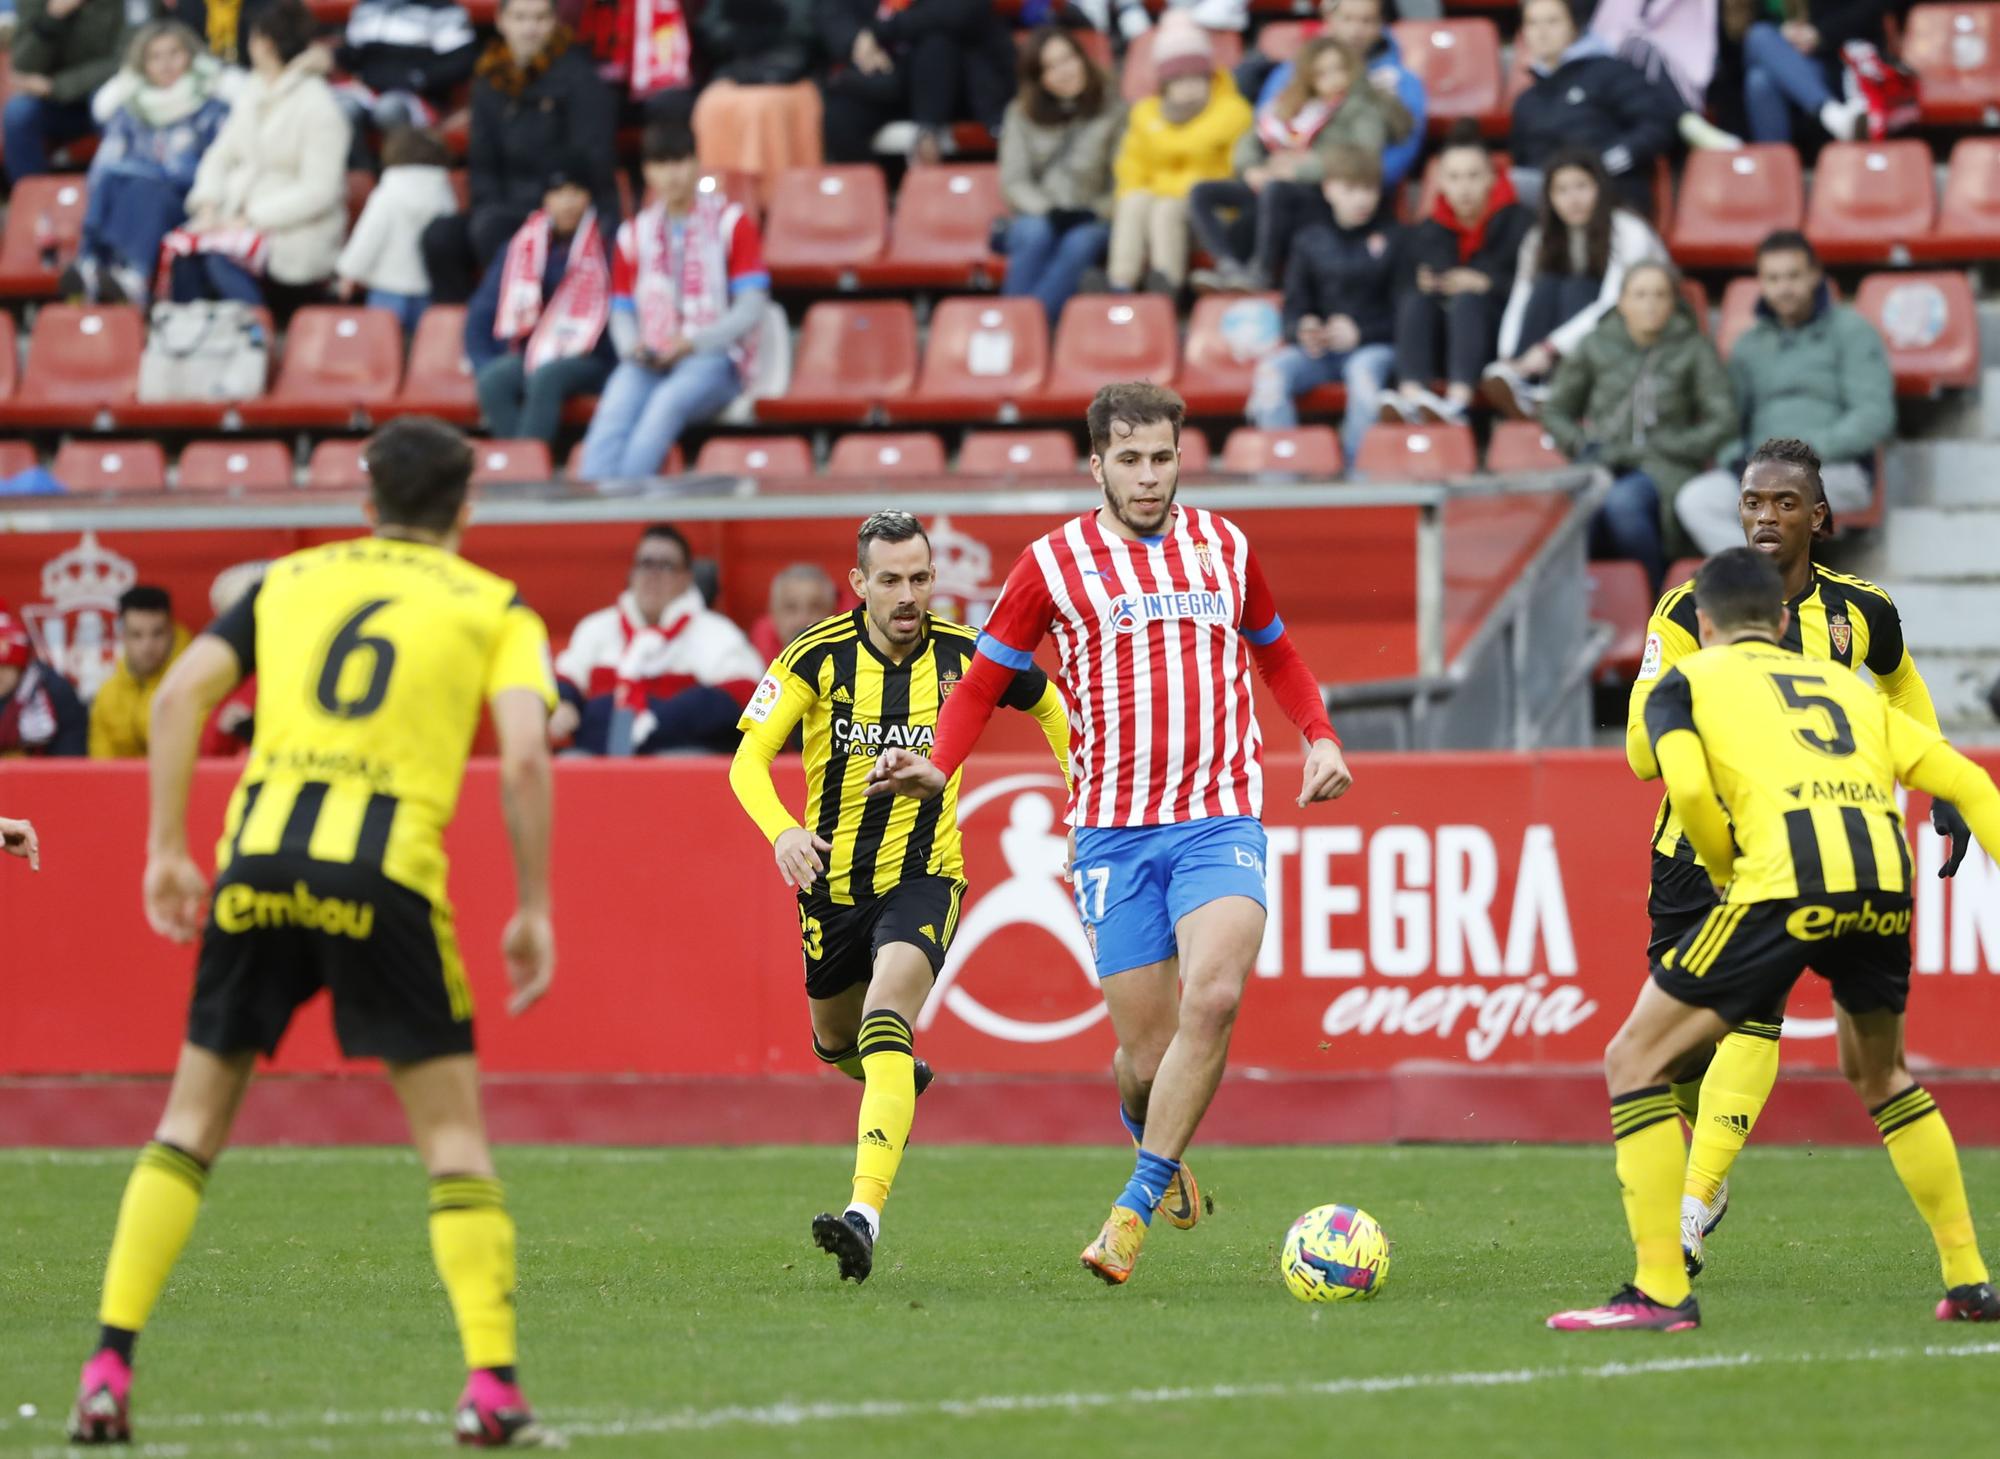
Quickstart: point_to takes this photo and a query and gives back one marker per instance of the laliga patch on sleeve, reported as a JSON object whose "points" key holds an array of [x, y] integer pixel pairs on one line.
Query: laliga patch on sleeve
{"points": [[769, 691], [1649, 666]]}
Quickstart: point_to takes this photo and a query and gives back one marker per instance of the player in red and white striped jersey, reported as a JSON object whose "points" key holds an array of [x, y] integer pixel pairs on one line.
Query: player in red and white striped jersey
{"points": [[1157, 611]]}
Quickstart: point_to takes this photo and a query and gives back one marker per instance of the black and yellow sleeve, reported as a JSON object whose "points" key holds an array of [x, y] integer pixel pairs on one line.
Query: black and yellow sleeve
{"points": [[238, 629], [1671, 635], [1889, 658]]}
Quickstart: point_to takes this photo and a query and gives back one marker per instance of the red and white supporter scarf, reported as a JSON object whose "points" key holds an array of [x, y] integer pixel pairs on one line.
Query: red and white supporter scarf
{"points": [[662, 53], [575, 317], [1295, 135], [245, 246], [683, 278]]}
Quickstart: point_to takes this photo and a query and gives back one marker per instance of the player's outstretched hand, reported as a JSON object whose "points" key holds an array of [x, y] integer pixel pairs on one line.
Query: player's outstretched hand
{"points": [[905, 772], [17, 838], [176, 895], [529, 946], [1327, 775], [800, 854], [1948, 823]]}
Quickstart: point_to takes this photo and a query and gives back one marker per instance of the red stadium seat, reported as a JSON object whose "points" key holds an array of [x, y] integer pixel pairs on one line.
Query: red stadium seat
{"points": [[900, 453], [1869, 199], [337, 466], [1955, 51], [1017, 453], [10, 356], [984, 357], [1729, 202], [498, 462], [676, 462], [1302, 451], [219, 465], [1522, 445], [825, 223], [1459, 63], [111, 466], [1696, 294], [1931, 326], [1417, 453], [1227, 335], [940, 234], [82, 366], [1281, 40], [1137, 81], [1108, 337], [16, 457], [1195, 460], [852, 357], [755, 456], [439, 380], [341, 366], [1968, 225], [1621, 597], [1681, 570], [739, 187], [44, 221]]}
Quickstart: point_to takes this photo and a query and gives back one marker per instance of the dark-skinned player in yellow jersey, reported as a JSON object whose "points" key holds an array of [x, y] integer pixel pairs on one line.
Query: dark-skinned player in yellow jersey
{"points": [[1722, 1088]]}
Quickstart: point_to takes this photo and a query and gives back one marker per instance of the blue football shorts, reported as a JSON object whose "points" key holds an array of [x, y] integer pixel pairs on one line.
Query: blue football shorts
{"points": [[1134, 883]]}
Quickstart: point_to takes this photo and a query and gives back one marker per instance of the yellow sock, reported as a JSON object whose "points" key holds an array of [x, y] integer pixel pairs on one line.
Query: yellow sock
{"points": [[1687, 1099], [472, 1242], [1651, 1158], [1926, 1161], [888, 1105], [162, 1198], [847, 1060], [1733, 1093]]}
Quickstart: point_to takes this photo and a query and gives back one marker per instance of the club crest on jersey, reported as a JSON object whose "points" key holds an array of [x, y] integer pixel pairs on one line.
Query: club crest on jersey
{"points": [[1839, 632], [947, 681], [1130, 612], [1205, 556]]}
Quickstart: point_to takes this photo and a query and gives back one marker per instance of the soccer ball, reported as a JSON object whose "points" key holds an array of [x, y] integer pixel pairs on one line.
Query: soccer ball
{"points": [[1334, 1254]]}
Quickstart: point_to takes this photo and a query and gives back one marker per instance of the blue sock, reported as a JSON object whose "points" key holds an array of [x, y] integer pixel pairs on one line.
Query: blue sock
{"points": [[1135, 1128], [1150, 1176]]}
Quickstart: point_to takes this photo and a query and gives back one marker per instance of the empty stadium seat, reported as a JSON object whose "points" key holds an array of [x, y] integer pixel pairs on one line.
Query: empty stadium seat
{"points": [[1136, 79], [1681, 570], [903, 453], [1931, 326], [44, 221], [1955, 51], [1621, 597], [10, 356], [1729, 202], [82, 366], [337, 466], [497, 462], [1302, 450], [1968, 224], [1195, 459], [1227, 335], [439, 379], [1017, 453], [1459, 63], [341, 365], [1869, 199], [1522, 445], [84, 465], [983, 358], [825, 222], [755, 456], [851, 357], [219, 465], [1417, 453], [940, 234], [16, 457], [1107, 337]]}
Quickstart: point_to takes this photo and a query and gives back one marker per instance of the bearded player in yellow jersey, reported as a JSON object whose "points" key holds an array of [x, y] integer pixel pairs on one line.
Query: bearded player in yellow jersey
{"points": [[1784, 770], [1833, 616], [373, 659]]}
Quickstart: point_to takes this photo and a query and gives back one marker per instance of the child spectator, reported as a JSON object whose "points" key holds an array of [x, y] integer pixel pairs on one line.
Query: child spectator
{"points": [[1340, 311], [384, 256], [403, 60], [63, 50], [931, 61], [1361, 26], [1582, 96]]}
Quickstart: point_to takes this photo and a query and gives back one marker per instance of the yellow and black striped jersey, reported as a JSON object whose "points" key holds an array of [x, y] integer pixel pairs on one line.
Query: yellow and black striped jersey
{"points": [[373, 660], [856, 703], [1805, 759], [1845, 620]]}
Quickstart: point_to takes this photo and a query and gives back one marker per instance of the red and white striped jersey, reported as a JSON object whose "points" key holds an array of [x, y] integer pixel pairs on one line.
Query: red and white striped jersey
{"points": [[1155, 639]]}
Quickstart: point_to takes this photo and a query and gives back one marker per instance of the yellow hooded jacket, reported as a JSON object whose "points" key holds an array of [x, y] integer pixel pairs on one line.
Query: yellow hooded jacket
{"points": [[121, 714], [1166, 160]]}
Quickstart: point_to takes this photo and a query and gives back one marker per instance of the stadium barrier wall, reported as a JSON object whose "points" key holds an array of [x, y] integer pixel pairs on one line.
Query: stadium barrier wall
{"points": [[1450, 948]]}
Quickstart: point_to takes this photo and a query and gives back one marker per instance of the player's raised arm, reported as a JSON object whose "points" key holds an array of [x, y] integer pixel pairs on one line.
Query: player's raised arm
{"points": [[774, 711], [1284, 668], [520, 692], [1682, 759], [175, 891], [1925, 762], [1897, 678], [17, 838]]}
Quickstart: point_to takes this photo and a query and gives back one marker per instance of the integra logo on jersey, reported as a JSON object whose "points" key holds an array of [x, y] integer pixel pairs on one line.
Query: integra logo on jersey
{"points": [[870, 737], [1130, 612], [1814, 924], [239, 909]]}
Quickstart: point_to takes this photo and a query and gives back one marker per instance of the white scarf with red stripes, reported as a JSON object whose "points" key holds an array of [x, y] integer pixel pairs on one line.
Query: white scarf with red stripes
{"points": [[683, 279], [576, 314]]}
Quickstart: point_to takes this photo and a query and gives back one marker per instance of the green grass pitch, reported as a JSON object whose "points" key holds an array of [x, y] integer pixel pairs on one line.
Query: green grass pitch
{"points": [[671, 1304]]}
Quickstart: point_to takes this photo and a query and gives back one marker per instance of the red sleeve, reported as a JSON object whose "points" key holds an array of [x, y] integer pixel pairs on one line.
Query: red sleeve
{"points": [[1022, 615], [1260, 607], [965, 713], [746, 252]]}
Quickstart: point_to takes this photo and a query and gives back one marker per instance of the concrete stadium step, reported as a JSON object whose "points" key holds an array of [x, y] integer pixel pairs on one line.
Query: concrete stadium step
{"points": [[1949, 617], [1943, 544], [1945, 473]]}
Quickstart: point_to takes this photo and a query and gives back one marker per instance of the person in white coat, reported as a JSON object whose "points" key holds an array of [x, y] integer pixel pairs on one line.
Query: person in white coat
{"points": [[383, 261]]}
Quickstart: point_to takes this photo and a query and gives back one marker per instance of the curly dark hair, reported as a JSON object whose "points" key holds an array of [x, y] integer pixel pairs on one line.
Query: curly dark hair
{"points": [[1136, 403], [1790, 451], [1044, 109], [1552, 255]]}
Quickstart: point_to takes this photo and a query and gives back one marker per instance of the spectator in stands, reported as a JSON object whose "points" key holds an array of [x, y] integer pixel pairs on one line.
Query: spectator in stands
{"points": [[1340, 309], [1328, 103], [270, 196], [1179, 137], [1570, 272], [1644, 395], [63, 51], [149, 641], [688, 293], [1055, 170], [230, 727], [1795, 66], [645, 49], [661, 651], [403, 60], [1582, 96], [1808, 368], [383, 261], [535, 332], [1674, 42], [535, 98], [1361, 26], [161, 111], [223, 25], [934, 62], [801, 596], [39, 711], [1459, 269]]}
